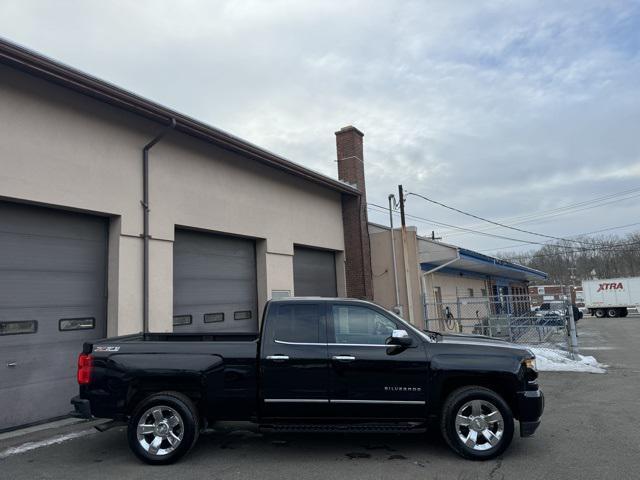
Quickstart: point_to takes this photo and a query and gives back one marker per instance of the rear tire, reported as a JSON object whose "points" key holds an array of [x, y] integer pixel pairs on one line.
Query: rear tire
{"points": [[612, 312], [624, 312], [599, 313], [163, 428], [476, 423]]}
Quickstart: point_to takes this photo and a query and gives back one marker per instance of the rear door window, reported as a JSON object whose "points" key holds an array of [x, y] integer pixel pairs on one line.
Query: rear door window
{"points": [[299, 323]]}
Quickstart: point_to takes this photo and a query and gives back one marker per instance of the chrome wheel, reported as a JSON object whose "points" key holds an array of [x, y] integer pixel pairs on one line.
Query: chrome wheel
{"points": [[479, 425], [160, 430]]}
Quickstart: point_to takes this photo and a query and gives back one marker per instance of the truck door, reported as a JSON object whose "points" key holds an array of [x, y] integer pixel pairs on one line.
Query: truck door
{"points": [[368, 378], [294, 361]]}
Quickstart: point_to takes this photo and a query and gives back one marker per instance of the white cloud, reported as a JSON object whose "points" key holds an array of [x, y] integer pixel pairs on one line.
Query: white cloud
{"points": [[501, 108]]}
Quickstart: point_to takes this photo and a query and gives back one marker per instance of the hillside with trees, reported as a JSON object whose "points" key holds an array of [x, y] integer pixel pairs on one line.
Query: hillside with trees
{"points": [[594, 257]]}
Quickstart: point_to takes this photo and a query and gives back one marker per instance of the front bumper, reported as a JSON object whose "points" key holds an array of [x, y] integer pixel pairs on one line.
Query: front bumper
{"points": [[81, 408], [530, 408]]}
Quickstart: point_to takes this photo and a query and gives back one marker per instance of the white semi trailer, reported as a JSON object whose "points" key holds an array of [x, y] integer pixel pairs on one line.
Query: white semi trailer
{"points": [[611, 297]]}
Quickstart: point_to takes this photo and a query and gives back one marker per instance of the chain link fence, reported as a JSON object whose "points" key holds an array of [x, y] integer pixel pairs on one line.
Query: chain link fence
{"points": [[506, 317]]}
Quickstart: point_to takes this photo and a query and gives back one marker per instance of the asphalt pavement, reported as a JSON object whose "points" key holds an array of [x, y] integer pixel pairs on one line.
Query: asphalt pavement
{"points": [[589, 431]]}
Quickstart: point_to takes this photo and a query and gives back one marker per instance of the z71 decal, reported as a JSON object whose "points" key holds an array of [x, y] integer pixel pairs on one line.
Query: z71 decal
{"points": [[106, 348]]}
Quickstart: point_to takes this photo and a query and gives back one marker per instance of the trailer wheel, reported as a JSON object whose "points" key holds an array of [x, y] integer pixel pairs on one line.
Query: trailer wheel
{"points": [[624, 312], [612, 312], [599, 313]]}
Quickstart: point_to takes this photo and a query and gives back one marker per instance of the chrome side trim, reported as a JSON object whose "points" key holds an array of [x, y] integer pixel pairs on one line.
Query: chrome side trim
{"points": [[326, 400], [282, 342], [392, 402], [296, 400], [334, 344]]}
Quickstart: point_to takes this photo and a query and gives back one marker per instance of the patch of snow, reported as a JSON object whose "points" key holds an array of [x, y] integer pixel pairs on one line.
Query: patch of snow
{"points": [[25, 447], [552, 360]]}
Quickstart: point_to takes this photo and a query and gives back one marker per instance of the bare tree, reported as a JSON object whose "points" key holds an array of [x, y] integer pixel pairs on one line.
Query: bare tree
{"points": [[603, 256]]}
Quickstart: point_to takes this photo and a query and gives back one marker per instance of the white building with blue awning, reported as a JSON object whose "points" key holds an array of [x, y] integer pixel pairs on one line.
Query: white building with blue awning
{"points": [[439, 279]]}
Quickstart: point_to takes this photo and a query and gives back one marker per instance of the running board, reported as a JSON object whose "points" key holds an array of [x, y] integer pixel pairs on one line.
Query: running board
{"points": [[103, 427], [345, 427]]}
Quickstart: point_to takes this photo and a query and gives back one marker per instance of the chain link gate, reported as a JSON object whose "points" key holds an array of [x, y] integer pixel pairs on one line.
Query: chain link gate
{"points": [[506, 317]]}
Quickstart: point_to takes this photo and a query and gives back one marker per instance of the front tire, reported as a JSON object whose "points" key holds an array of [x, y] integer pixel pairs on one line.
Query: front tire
{"points": [[163, 428], [477, 423]]}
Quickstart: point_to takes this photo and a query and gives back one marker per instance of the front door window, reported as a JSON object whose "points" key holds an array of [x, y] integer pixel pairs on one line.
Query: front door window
{"points": [[360, 326]]}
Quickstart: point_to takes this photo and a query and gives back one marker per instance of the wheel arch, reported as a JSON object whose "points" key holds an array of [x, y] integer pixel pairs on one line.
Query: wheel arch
{"points": [[143, 389], [500, 384]]}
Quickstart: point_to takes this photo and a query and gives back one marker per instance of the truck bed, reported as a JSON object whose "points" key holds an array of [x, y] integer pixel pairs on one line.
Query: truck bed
{"points": [[219, 370]]}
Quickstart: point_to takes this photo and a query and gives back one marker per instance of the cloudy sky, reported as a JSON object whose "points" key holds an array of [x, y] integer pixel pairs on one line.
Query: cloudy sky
{"points": [[505, 109]]}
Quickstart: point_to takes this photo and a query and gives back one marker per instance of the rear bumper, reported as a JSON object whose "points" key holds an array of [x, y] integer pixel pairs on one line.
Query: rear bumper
{"points": [[530, 407], [81, 408]]}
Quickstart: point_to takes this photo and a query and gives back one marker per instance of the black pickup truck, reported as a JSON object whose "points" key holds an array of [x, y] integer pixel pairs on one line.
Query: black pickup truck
{"points": [[318, 365]]}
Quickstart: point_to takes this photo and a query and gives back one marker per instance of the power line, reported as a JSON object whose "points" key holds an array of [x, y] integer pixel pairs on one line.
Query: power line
{"points": [[577, 234], [530, 242], [491, 221], [544, 213], [564, 209], [434, 222], [562, 213], [567, 209]]}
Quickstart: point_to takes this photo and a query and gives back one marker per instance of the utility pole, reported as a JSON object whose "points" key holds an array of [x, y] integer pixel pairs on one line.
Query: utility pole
{"points": [[398, 306], [407, 275], [401, 195]]}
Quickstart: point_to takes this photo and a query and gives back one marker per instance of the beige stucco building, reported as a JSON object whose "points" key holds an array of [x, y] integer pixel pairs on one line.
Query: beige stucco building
{"points": [[229, 225], [65, 150]]}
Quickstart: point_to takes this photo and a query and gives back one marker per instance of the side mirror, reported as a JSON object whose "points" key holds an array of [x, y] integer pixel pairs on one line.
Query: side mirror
{"points": [[400, 338]]}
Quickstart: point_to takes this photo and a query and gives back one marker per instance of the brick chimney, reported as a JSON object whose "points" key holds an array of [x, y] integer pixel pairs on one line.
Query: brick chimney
{"points": [[354, 214]]}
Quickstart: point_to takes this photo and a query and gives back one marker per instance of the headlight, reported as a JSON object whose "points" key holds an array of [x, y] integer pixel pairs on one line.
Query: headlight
{"points": [[530, 363]]}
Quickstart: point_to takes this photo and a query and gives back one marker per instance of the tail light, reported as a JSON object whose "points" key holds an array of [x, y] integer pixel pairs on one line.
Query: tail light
{"points": [[85, 365]]}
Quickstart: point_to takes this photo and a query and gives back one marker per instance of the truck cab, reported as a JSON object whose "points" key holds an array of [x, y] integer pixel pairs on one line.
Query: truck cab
{"points": [[341, 360]]}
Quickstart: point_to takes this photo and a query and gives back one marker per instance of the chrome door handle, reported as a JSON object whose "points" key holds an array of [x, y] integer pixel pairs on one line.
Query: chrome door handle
{"points": [[343, 358], [11, 364], [278, 358]]}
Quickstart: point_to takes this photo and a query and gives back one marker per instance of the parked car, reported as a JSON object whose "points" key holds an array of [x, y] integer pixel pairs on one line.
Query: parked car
{"points": [[552, 313], [317, 365]]}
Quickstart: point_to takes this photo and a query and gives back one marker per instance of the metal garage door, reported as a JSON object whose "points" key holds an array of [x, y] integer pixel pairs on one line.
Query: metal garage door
{"points": [[214, 283], [314, 272], [52, 299]]}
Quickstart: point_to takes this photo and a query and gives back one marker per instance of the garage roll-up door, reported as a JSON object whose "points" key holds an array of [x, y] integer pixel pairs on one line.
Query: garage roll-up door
{"points": [[314, 272], [214, 283], [52, 299]]}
